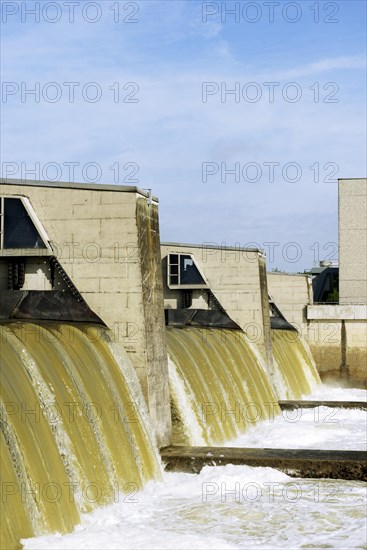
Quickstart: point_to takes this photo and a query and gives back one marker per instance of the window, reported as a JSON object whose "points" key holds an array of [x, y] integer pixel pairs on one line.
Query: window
{"points": [[182, 271], [20, 227]]}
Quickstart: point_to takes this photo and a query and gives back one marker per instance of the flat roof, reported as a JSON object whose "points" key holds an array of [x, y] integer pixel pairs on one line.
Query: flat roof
{"points": [[213, 246], [346, 179], [288, 273], [72, 185]]}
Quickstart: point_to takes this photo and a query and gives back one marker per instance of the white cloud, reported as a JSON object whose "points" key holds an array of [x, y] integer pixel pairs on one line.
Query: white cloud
{"points": [[323, 66], [171, 132]]}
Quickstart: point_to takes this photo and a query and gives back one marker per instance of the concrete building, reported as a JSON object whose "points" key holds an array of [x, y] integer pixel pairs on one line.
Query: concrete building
{"points": [[291, 292], [336, 333], [353, 241], [99, 244], [226, 278]]}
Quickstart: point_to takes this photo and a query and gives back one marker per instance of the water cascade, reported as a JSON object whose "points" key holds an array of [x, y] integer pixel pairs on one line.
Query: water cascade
{"points": [[75, 430], [218, 385], [294, 363]]}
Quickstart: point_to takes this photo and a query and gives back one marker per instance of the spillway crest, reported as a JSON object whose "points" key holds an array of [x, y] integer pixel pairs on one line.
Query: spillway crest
{"points": [[75, 431]]}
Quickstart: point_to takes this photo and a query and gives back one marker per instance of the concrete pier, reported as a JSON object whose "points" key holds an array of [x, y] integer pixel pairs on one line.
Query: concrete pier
{"points": [[291, 405], [103, 241], [294, 462]]}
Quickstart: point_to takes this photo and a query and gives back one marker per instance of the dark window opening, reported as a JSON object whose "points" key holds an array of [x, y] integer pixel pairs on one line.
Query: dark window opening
{"points": [[19, 230], [326, 286], [187, 299], [183, 271], [189, 273], [173, 258]]}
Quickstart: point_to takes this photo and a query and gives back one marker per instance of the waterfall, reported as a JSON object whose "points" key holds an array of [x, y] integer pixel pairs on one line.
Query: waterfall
{"points": [[75, 430], [294, 363], [219, 385]]}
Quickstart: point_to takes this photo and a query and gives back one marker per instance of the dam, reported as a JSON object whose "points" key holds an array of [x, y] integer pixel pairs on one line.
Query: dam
{"points": [[60, 426], [117, 348]]}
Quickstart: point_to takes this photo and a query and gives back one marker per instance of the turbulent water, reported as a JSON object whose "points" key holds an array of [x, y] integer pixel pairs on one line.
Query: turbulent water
{"points": [[77, 444], [294, 364], [218, 385], [234, 507], [75, 431]]}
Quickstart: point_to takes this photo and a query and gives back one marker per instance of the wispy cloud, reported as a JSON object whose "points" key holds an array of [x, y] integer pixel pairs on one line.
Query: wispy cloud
{"points": [[324, 66], [170, 132]]}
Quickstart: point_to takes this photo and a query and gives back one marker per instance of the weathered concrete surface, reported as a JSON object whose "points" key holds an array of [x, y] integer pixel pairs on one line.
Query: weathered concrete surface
{"points": [[290, 405], [110, 258], [339, 348], [292, 292], [237, 278], [353, 241], [156, 376], [323, 312], [294, 462], [336, 334]]}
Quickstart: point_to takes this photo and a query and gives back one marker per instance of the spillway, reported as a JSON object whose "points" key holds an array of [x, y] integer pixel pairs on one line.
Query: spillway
{"points": [[219, 386], [75, 430], [294, 364]]}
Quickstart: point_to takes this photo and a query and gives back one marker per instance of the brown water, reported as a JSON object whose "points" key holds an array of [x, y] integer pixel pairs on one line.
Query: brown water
{"points": [[294, 363], [75, 432], [218, 385]]}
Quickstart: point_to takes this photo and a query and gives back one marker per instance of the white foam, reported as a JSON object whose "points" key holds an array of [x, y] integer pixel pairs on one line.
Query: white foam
{"points": [[319, 428], [226, 507], [190, 421], [328, 392], [235, 507]]}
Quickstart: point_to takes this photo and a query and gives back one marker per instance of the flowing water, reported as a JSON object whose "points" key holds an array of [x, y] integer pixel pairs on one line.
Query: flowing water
{"points": [[77, 444], [219, 384], [294, 363], [242, 507], [75, 431]]}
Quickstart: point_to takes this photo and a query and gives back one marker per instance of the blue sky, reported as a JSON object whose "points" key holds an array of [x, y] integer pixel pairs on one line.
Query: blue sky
{"points": [[243, 168]]}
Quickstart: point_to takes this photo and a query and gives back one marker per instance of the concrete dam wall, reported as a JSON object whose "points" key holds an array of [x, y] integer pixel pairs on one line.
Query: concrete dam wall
{"points": [[114, 345], [75, 428], [106, 243]]}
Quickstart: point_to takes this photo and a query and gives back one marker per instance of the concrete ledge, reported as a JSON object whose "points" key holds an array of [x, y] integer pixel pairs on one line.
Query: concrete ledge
{"points": [[337, 312], [75, 185], [290, 405], [294, 462], [211, 246], [16, 252]]}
